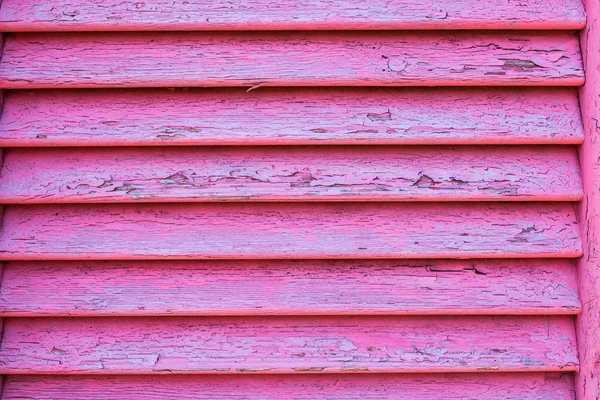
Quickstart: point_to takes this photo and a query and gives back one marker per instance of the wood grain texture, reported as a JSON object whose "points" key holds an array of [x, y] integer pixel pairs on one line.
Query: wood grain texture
{"points": [[118, 15], [530, 386], [185, 288], [588, 381], [290, 116], [290, 59], [264, 231], [290, 174], [287, 345]]}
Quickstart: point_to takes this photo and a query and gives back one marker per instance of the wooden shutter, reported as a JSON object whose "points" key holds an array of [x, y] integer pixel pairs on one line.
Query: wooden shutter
{"points": [[292, 200]]}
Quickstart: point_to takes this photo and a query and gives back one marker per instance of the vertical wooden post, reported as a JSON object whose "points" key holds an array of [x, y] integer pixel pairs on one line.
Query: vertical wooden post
{"points": [[588, 323], [2, 320]]}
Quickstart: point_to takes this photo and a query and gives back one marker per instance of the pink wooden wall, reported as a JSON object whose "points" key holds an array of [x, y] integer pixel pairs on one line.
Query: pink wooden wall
{"points": [[588, 323], [299, 200]]}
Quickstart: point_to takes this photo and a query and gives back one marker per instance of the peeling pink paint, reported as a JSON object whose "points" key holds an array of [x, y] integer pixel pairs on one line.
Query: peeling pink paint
{"points": [[291, 116], [518, 386], [265, 245], [119, 15], [290, 287], [325, 173], [289, 231], [252, 60], [288, 345], [588, 324]]}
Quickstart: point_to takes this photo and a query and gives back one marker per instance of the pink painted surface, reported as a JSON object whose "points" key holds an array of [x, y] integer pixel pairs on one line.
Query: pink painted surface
{"points": [[180, 304], [299, 230], [290, 174], [287, 345], [290, 116], [290, 59], [530, 386], [242, 288], [588, 381], [119, 15]]}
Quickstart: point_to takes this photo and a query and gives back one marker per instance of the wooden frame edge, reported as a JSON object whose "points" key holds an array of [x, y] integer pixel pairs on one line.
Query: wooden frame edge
{"points": [[588, 322]]}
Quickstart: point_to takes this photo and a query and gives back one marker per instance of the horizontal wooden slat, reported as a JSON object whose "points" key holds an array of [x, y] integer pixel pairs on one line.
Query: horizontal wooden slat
{"points": [[187, 288], [530, 386], [290, 59], [290, 116], [287, 344], [111, 15], [290, 174], [263, 231]]}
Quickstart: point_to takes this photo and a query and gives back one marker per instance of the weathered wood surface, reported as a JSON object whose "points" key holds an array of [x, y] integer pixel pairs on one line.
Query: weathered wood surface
{"points": [[290, 59], [505, 386], [118, 15], [184, 288], [287, 345], [290, 174], [588, 381], [290, 116], [299, 230]]}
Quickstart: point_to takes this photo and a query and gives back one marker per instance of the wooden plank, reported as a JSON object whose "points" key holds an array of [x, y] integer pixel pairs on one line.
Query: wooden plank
{"points": [[588, 381], [264, 231], [290, 116], [287, 345], [184, 288], [290, 59], [532, 386], [118, 15], [290, 174]]}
